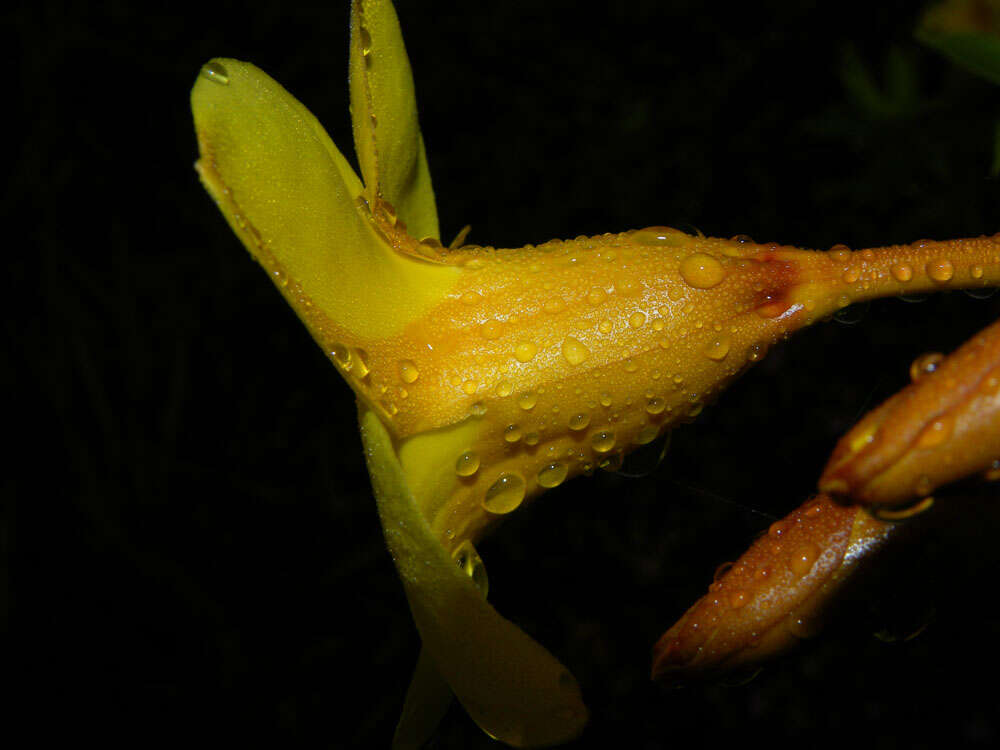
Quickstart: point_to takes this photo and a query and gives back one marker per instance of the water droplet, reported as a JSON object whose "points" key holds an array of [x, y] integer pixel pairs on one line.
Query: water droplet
{"points": [[851, 275], [596, 295], [742, 239], [527, 400], [579, 421], [280, 278], [478, 409], [603, 441], [360, 369], [630, 365], [341, 355], [408, 371], [215, 72], [553, 305], [718, 348], [574, 351], [505, 494], [940, 270], [976, 271], [803, 559], [902, 272], [525, 351], [605, 399], [655, 405], [490, 329], [512, 433], [471, 564], [936, 433], [840, 252], [553, 474], [503, 389], [702, 271], [531, 438], [925, 364], [738, 599], [659, 236], [604, 326], [637, 320], [864, 437], [469, 387], [467, 464]]}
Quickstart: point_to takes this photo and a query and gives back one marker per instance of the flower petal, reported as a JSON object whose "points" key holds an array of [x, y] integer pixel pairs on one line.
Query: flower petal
{"points": [[509, 684], [291, 197], [384, 111]]}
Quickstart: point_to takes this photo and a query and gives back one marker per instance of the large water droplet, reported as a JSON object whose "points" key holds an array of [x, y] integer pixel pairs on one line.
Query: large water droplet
{"points": [[940, 270], [505, 494], [408, 371], [603, 441], [525, 351], [553, 474], [471, 564], [925, 364], [574, 351], [467, 464], [579, 421], [215, 72], [718, 348], [527, 400], [702, 271]]}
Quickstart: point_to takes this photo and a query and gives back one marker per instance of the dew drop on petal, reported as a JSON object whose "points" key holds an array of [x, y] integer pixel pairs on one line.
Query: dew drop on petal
{"points": [[505, 494], [527, 400], [512, 433], [902, 272], [718, 348], [470, 563], [574, 351], [701, 271], [803, 559], [525, 351], [408, 371], [940, 270], [553, 475], [467, 464], [603, 441], [925, 364], [215, 72]]}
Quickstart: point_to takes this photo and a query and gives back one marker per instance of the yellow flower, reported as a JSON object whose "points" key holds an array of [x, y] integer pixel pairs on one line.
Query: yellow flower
{"points": [[485, 376]]}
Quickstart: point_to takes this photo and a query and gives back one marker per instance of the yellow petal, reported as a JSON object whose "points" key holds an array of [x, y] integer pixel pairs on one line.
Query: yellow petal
{"points": [[293, 200], [384, 112], [509, 684]]}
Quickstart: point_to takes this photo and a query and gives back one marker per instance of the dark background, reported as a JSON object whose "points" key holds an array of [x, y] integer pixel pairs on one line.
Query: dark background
{"points": [[199, 556]]}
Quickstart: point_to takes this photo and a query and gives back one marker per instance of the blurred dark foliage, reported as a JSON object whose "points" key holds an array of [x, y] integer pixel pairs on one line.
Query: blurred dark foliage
{"points": [[199, 557]]}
